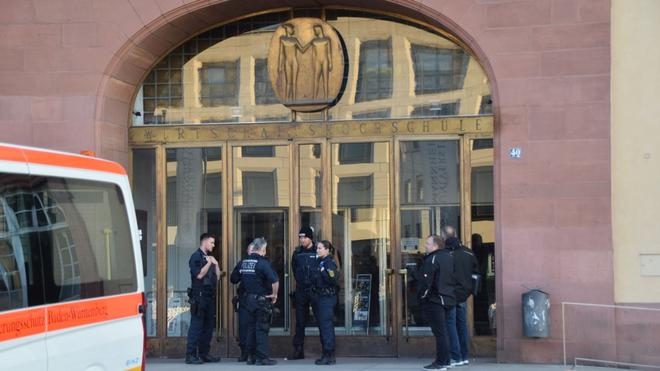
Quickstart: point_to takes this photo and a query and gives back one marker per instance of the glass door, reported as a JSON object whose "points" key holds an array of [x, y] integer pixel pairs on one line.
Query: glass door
{"points": [[273, 225], [361, 234], [429, 185], [261, 200]]}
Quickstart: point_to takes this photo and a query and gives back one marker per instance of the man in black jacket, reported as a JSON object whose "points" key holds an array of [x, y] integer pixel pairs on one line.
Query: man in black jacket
{"points": [[436, 293], [465, 266]]}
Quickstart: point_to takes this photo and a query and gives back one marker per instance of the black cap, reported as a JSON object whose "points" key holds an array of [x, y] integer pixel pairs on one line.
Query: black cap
{"points": [[306, 232]]}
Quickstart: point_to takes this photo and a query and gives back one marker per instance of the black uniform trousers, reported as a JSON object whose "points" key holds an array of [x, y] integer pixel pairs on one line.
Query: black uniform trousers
{"points": [[435, 314], [201, 326], [324, 310], [258, 311], [243, 321], [304, 299]]}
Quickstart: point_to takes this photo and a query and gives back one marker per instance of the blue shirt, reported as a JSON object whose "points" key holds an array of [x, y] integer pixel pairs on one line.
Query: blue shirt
{"points": [[197, 261]]}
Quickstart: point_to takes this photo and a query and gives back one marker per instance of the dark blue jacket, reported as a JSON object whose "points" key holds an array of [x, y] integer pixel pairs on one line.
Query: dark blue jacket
{"points": [[255, 274], [304, 264]]}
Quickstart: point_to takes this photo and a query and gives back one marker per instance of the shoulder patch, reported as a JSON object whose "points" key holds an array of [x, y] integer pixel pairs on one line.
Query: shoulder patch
{"points": [[331, 274]]}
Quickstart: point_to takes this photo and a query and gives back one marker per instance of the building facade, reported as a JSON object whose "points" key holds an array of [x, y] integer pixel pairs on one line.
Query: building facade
{"points": [[526, 124]]}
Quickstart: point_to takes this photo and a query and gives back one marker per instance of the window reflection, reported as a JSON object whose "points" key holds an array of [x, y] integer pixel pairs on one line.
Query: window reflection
{"points": [[194, 200], [375, 71], [395, 69], [360, 232], [430, 200]]}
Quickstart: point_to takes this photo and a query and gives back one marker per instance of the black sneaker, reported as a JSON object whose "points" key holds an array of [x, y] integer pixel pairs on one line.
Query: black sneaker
{"points": [[193, 360], [209, 358], [435, 366], [266, 362]]}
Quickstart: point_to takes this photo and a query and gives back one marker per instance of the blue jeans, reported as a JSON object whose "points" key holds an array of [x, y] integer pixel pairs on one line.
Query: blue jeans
{"points": [[461, 328], [452, 335]]}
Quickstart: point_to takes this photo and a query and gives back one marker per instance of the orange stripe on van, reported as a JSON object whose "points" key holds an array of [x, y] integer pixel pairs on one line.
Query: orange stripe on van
{"points": [[8, 153], [22, 323], [62, 316], [29, 322]]}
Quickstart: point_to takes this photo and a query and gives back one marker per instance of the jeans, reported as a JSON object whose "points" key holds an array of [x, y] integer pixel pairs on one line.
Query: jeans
{"points": [[452, 335], [461, 328]]}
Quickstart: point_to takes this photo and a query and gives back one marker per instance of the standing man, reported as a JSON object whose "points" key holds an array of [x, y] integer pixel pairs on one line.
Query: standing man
{"points": [[304, 265], [261, 285], [239, 307], [204, 275], [465, 266], [436, 293]]}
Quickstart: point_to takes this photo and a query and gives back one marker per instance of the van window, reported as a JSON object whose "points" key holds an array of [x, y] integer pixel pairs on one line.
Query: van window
{"points": [[21, 282], [85, 239]]}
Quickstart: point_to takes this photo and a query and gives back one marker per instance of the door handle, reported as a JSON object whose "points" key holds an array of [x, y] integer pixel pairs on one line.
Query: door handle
{"points": [[404, 284]]}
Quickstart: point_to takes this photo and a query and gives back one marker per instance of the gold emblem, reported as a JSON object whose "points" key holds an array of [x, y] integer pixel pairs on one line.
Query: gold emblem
{"points": [[306, 64], [331, 274]]}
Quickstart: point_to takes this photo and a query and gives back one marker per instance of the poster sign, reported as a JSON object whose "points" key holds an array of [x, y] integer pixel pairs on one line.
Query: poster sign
{"points": [[361, 300]]}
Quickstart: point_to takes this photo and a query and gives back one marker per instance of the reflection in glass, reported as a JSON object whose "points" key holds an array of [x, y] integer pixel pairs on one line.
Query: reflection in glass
{"points": [[261, 209], [395, 69], [194, 200], [144, 197], [483, 231], [360, 228], [430, 200]]}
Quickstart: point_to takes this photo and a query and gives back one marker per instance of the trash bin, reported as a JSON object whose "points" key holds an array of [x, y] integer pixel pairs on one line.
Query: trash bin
{"points": [[536, 314]]}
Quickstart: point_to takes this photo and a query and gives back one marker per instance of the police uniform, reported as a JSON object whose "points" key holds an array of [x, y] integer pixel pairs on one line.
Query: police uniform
{"points": [[304, 264], [437, 285], [257, 276], [235, 278], [202, 308], [325, 300]]}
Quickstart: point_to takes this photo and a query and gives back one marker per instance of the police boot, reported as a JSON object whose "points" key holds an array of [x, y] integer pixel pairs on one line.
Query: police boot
{"points": [[327, 359], [207, 358], [192, 359], [244, 355], [298, 353], [252, 359]]}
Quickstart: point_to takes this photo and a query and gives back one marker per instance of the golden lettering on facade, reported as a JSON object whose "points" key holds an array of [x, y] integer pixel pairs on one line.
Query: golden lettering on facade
{"points": [[306, 64], [183, 134]]}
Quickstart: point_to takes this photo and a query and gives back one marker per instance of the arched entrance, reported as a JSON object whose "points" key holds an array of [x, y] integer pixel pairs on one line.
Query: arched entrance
{"points": [[405, 150]]}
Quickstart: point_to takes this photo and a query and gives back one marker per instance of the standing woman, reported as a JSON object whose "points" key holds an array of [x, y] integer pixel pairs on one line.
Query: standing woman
{"points": [[325, 300]]}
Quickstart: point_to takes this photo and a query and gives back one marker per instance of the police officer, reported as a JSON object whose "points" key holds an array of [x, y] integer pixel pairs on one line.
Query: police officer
{"points": [[436, 293], [204, 275], [235, 278], [304, 265], [325, 300], [261, 286]]}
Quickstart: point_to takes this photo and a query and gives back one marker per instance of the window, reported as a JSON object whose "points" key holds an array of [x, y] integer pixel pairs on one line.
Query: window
{"points": [[21, 283], [85, 239], [380, 114], [263, 89], [258, 151], [219, 83], [436, 109], [355, 153], [438, 70], [259, 188], [486, 106], [375, 71], [62, 239]]}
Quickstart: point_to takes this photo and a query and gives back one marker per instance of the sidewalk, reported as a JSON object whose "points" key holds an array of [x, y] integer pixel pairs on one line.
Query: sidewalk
{"points": [[350, 364]]}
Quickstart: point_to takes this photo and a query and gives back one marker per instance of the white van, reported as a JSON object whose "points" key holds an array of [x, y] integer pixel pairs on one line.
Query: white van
{"points": [[71, 283]]}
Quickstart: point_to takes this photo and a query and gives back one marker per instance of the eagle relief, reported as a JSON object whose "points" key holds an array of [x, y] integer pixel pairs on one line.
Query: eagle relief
{"points": [[306, 64]]}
